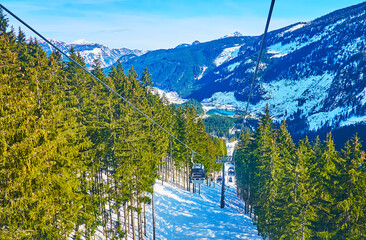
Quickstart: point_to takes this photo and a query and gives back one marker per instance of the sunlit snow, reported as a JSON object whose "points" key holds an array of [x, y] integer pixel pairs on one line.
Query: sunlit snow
{"points": [[285, 95], [353, 120], [194, 216], [81, 42], [230, 147], [293, 28], [297, 43], [173, 97], [226, 55], [223, 100], [297, 26], [317, 120], [362, 94], [204, 68], [231, 67], [261, 66]]}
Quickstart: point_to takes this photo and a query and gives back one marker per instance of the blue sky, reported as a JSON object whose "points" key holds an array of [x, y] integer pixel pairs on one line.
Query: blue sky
{"points": [[154, 24]]}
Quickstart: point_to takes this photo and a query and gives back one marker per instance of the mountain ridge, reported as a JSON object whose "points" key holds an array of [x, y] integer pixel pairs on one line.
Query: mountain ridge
{"points": [[90, 51]]}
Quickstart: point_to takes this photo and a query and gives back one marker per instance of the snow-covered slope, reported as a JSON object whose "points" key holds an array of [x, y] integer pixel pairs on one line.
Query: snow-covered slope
{"points": [[183, 215], [90, 51], [312, 74]]}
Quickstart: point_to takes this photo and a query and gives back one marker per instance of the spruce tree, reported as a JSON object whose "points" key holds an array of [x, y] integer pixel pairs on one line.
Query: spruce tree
{"points": [[351, 193], [324, 225]]}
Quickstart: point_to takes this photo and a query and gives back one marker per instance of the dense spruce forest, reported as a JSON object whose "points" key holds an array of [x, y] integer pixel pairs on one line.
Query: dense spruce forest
{"points": [[303, 191], [219, 125], [73, 155]]}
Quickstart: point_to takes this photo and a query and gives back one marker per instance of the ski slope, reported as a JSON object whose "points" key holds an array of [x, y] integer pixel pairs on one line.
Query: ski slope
{"points": [[183, 215]]}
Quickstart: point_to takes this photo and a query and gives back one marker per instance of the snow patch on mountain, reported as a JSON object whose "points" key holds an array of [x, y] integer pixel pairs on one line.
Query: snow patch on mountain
{"points": [[280, 49], [288, 96], [234, 34], [276, 54], [297, 26], [351, 48], [81, 42], [204, 68], [362, 95], [95, 51], [353, 120], [223, 100], [231, 67], [173, 97], [226, 55], [318, 120], [261, 67]]}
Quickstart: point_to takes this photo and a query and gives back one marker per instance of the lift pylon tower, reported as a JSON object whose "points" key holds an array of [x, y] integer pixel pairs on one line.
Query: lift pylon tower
{"points": [[223, 160]]}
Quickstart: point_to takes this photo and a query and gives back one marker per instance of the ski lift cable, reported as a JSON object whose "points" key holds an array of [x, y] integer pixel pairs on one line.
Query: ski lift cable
{"points": [[103, 83], [256, 68]]}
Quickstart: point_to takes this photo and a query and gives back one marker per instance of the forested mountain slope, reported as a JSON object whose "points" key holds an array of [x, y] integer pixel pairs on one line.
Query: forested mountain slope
{"points": [[73, 154], [180, 69]]}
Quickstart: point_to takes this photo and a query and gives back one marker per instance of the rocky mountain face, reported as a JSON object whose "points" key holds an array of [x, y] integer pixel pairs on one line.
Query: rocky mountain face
{"points": [[90, 51]]}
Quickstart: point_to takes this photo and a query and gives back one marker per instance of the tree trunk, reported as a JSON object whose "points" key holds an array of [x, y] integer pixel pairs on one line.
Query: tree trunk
{"points": [[110, 215], [166, 168], [177, 176], [174, 176], [303, 223], [124, 218], [144, 219], [118, 206], [248, 201], [139, 218], [171, 158], [128, 220], [187, 170], [153, 214], [133, 222], [162, 174], [184, 178]]}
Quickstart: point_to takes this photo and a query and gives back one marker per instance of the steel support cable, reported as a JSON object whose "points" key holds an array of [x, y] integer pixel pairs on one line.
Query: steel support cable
{"points": [[256, 70], [104, 84]]}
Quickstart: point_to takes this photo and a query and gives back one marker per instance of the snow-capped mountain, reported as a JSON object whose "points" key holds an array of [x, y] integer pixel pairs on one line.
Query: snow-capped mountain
{"points": [[312, 74], [90, 51], [235, 34]]}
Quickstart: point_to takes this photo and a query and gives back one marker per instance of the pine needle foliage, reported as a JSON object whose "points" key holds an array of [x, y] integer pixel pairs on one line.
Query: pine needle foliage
{"points": [[72, 154], [303, 191]]}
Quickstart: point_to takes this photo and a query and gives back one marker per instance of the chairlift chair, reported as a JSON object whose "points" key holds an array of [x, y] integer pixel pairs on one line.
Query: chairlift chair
{"points": [[198, 173], [219, 179], [231, 173]]}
